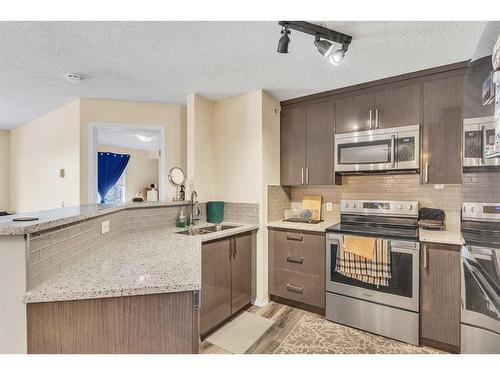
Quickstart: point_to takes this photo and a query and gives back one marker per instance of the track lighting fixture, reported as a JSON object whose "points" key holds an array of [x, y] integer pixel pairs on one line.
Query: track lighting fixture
{"points": [[284, 40], [324, 39]]}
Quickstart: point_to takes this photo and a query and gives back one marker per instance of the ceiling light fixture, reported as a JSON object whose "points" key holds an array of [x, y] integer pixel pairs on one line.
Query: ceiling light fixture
{"points": [[284, 40], [324, 39], [74, 77], [144, 138]]}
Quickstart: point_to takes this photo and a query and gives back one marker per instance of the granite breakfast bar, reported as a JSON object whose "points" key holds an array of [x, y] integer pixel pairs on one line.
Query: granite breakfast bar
{"points": [[136, 291]]}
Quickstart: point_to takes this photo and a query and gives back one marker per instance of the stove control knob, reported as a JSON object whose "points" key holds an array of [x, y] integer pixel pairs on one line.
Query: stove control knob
{"points": [[410, 207], [399, 206], [354, 205], [472, 209], [346, 204]]}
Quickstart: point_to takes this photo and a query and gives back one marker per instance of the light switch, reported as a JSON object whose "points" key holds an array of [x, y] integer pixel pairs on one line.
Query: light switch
{"points": [[105, 227], [329, 206]]}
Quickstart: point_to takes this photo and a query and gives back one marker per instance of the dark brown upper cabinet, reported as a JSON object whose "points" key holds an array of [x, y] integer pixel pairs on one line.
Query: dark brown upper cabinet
{"points": [[477, 73], [397, 106], [354, 112], [307, 144], [442, 129], [385, 106]]}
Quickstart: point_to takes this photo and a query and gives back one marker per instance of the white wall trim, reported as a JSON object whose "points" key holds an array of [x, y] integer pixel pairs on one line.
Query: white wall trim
{"points": [[92, 155]]}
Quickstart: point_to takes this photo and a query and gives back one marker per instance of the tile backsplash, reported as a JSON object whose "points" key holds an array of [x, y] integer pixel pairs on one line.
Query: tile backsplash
{"points": [[481, 187], [279, 198], [386, 187]]}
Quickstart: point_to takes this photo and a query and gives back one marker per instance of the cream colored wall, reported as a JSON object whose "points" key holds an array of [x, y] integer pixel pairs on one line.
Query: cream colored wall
{"points": [[201, 142], [4, 170], [141, 170], [238, 148], [172, 117], [270, 176], [38, 150]]}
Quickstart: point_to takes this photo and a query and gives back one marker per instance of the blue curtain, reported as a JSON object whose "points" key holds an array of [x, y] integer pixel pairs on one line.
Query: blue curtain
{"points": [[110, 167]]}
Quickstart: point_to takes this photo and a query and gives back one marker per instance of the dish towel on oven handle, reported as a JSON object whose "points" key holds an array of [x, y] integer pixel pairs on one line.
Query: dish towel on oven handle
{"points": [[376, 271]]}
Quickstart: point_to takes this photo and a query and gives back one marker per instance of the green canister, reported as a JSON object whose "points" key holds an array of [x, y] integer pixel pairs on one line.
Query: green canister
{"points": [[215, 212]]}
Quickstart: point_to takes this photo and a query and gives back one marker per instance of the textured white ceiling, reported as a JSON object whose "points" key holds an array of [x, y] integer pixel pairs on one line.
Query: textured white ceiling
{"points": [[122, 137], [166, 61]]}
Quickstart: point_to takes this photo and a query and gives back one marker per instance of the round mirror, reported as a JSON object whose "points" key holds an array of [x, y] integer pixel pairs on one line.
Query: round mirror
{"points": [[176, 176]]}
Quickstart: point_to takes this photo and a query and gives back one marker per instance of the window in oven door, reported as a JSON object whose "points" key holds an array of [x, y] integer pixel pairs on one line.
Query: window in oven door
{"points": [[402, 290]]}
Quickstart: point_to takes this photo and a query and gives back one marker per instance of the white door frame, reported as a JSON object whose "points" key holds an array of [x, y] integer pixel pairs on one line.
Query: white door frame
{"points": [[93, 128]]}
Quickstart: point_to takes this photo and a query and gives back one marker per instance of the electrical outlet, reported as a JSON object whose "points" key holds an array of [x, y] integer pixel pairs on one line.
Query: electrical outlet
{"points": [[105, 227], [329, 206]]}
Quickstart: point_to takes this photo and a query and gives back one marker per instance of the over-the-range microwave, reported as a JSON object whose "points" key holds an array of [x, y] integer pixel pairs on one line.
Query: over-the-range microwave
{"points": [[479, 143], [390, 149]]}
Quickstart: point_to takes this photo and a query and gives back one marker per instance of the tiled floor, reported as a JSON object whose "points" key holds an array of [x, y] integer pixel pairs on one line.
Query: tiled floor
{"points": [[297, 331]]}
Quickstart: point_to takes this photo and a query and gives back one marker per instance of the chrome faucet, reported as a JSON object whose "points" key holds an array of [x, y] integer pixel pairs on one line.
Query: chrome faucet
{"points": [[195, 211]]}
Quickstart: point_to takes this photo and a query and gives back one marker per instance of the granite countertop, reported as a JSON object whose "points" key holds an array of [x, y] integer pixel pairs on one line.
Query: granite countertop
{"points": [[452, 236], [320, 227], [67, 215], [150, 262]]}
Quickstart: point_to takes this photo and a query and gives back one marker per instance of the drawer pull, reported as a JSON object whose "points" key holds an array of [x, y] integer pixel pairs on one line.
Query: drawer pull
{"points": [[294, 237], [295, 289], [295, 260]]}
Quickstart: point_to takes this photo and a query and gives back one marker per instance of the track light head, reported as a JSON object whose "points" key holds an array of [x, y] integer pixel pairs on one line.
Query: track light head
{"points": [[324, 47], [284, 41], [338, 55]]}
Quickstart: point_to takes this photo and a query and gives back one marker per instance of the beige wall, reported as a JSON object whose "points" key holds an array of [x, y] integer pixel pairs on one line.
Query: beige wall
{"points": [[38, 150], [172, 117], [200, 146], [238, 148], [4, 170], [141, 170]]}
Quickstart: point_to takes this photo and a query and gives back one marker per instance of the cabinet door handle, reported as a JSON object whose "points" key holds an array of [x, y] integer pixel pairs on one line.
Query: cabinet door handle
{"points": [[393, 150], [370, 119], [426, 172], [302, 175], [295, 289], [425, 257], [376, 119], [294, 237], [307, 176], [234, 247], [294, 260]]}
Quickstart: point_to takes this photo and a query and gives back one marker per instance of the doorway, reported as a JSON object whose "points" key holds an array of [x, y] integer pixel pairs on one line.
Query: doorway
{"points": [[144, 148]]}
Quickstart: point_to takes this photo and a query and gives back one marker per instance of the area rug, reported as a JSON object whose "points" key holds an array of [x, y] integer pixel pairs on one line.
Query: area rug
{"points": [[316, 335], [240, 334]]}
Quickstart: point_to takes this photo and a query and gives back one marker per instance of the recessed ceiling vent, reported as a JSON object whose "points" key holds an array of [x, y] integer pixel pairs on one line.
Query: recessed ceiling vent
{"points": [[74, 77]]}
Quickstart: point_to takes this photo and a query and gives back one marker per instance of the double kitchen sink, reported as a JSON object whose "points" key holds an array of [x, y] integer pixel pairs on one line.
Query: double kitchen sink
{"points": [[207, 230]]}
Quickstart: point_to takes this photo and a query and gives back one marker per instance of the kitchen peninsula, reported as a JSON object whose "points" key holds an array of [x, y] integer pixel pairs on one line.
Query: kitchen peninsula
{"points": [[75, 287]]}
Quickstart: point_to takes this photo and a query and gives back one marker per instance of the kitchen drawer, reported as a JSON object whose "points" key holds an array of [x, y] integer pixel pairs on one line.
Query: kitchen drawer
{"points": [[305, 256], [299, 287]]}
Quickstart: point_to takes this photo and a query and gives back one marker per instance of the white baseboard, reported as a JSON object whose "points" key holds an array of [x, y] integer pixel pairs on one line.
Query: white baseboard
{"points": [[261, 302]]}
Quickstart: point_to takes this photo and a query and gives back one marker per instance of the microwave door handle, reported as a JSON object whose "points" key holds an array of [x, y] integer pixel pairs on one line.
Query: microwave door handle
{"points": [[483, 144], [393, 151]]}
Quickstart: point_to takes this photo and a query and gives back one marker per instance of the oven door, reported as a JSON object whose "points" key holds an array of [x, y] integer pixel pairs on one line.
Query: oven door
{"points": [[479, 142], [365, 152], [481, 288], [403, 291]]}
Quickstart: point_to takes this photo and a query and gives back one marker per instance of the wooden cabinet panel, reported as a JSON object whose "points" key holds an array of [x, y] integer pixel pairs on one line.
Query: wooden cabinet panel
{"points": [[397, 105], [300, 252], [440, 296], [155, 323], [352, 112], [216, 284], [241, 271], [300, 287], [293, 145], [319, 145], [442, 130], [301, 277]]}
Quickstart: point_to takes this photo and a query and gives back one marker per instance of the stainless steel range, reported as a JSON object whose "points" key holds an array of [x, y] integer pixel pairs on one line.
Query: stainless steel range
{"points": [[480, 317], [391, 310]]}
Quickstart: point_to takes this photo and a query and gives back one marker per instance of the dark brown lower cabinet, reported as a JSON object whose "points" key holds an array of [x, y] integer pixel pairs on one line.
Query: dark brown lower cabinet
{"points": [[440, 296], [156, 323], [297, 267], [226, 279]]}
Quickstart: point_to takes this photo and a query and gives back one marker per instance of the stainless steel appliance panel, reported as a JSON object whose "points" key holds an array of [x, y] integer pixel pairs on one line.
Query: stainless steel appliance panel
{"points": [[378, 150], [383, 320], [479, 142], [476, 340]]}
